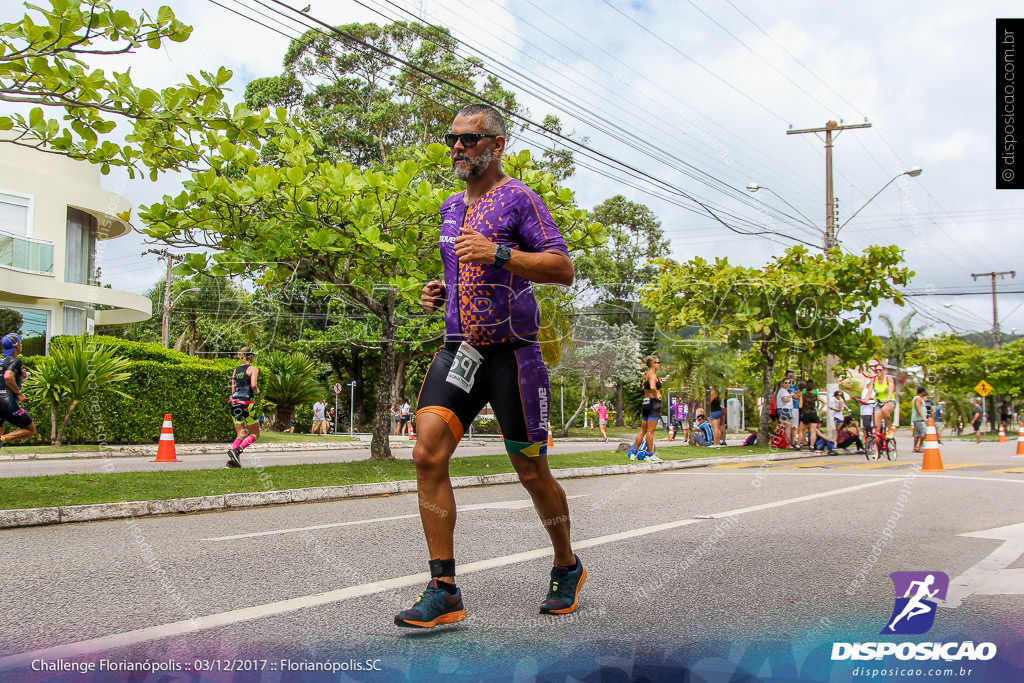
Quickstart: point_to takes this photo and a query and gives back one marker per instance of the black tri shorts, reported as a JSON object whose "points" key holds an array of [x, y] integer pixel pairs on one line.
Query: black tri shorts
{"points": [[650, 409], [511, 377], [240, 412], [12, 412]]}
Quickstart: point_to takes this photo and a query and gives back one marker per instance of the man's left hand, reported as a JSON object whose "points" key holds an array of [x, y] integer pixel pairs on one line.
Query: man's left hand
{"points": [[472, 247]]}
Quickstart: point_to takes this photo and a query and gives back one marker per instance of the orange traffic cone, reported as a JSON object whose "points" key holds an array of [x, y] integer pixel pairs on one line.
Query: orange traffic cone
{"points": [[165, 449], [1002, 434], [1020, 440], [671, 432], [412, 433], [551, 438], [502, 437], [932, 457]]}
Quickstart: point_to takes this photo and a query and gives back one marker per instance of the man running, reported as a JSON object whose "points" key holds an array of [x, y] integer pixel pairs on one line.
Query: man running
{"points": [[243, 395], [11, 376], [497, 239]]}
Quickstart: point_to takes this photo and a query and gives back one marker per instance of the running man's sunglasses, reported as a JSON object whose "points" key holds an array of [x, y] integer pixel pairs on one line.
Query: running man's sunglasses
{"points": [[467, 139]]}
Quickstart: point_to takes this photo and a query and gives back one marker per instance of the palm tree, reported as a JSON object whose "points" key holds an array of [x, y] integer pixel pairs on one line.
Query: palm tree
{"points": [[75, 369], [900, 340], [287, 380]]}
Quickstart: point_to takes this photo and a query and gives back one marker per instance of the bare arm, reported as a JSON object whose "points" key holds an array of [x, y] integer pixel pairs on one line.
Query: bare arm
{"points": [[11, 383], [252, 381]]}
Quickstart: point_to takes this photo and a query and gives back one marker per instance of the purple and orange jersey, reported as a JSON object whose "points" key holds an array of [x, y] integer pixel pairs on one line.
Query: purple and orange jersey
{"points": [[488, 305]]}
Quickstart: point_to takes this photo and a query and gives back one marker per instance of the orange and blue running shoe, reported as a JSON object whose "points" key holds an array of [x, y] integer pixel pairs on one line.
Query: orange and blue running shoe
{"points": [[565, 589], [434, 607]]}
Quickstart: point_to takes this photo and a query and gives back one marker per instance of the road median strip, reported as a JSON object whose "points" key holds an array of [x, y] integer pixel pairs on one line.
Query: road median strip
{"points": [[63, 514]]}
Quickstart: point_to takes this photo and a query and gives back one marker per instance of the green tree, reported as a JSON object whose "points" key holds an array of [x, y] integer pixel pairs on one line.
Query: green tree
{"points": [[819, 301], [43, 65], [10, 321], [366, 105], [366, 236], [288, 380], [75, 369], [900, 338]]}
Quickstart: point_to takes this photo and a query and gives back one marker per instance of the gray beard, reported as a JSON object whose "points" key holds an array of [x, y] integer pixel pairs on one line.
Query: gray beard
{"points": [[474, 168]]}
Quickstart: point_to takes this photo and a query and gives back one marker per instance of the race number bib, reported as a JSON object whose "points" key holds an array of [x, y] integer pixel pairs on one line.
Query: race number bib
{"points": [[467, 362]]}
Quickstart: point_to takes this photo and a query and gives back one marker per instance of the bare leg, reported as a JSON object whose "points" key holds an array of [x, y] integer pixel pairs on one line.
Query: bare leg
{"points": [[431, 455], [550, 502]]}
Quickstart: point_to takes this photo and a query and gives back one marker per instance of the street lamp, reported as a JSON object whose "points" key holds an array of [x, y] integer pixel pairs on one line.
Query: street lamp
{"points": [[351, 404], [830, 239], [754, 187], [913, 173]]}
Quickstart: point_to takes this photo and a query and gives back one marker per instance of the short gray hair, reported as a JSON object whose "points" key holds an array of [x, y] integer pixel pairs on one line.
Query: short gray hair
{"points": [[494, 124]]}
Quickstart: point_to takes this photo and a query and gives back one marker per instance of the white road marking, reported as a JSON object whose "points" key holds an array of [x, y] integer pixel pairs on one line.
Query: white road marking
{"points": [[990, 576], [504, 505], [290, 605]]}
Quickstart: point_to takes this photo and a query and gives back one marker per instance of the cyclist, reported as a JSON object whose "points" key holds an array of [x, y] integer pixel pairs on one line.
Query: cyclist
{"points": [[243, 395], [883, 392]]}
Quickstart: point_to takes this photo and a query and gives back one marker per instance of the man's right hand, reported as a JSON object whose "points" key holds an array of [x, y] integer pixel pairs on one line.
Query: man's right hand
{"points": [[432, 296]]}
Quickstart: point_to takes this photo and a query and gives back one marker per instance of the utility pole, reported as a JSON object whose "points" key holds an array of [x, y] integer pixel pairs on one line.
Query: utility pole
{"points": [[830, 200], [831, 385], [170, 259], [996, 337]]}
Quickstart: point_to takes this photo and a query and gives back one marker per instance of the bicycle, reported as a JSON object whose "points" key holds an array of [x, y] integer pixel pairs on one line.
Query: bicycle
{"points": [[874, 448]]}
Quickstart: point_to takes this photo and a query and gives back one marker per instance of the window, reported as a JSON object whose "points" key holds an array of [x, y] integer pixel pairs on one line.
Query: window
{"points": [[80, 248], [14, 213], [74, 320]]}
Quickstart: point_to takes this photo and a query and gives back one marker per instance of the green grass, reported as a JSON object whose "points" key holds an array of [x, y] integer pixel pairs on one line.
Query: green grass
{"points": [[81, 489], [265, 437]]}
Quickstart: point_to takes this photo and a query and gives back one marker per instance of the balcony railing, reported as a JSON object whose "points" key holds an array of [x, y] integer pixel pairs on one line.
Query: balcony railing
{"points": [[26, 253]]}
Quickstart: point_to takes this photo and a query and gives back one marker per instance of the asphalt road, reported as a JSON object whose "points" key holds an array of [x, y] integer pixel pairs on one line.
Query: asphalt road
{"points": [[720, 571]]}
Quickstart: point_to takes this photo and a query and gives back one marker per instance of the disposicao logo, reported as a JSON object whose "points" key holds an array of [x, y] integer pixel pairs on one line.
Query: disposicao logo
{"points": [[913, 614]]}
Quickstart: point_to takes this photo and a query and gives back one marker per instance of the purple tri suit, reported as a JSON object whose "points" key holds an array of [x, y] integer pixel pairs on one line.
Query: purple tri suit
{"points": [[495, 312]]}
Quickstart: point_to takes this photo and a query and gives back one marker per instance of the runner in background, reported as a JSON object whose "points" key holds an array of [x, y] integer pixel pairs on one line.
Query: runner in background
{"points": [[243, 396], [11, 376], [602, 419]]}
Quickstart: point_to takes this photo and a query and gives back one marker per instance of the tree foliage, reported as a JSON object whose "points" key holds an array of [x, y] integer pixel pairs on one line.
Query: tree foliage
{"points": [[73, 109], [75, 369], [287, 380], [818, 301], [365, 104]]}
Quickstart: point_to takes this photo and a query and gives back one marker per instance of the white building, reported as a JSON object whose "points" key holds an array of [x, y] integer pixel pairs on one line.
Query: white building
{"points": [[53, 213]]}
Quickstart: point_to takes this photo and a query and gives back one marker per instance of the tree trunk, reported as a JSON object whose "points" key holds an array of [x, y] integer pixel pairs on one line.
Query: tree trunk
{"points": [[380, 447], [619, 417], [583, 402], [64, 424], [400, 365], [284, 416], [768, 370]]}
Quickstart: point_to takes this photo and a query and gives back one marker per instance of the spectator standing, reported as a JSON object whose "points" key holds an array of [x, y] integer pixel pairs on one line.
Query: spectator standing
{"points": [[602, 419], [976, 419], [784, 407], [405, 415], [836, 409], [940, 418], [715, 414], [867, 410], [319, 422], [917, 419]]}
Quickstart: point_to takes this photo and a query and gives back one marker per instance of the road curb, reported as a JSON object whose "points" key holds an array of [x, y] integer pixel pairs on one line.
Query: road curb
{"points": [[66, 514]]}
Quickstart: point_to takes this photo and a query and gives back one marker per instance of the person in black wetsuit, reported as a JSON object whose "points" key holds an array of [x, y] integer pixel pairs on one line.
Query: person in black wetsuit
{"points": [[243, 395], [11, 376]]}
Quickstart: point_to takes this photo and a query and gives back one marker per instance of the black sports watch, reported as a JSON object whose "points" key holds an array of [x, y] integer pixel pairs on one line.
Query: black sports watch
{"points": [[501, 256]]}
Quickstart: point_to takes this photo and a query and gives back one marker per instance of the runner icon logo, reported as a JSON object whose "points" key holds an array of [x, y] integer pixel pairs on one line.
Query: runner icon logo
{"points": [[916, 592]]}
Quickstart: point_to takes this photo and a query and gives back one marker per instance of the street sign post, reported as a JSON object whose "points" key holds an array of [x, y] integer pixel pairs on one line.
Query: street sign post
{"points": [[337, 388]]}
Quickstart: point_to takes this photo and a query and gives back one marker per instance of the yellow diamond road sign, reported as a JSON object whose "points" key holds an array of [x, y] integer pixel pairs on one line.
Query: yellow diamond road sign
{"points": [[983, 388]]}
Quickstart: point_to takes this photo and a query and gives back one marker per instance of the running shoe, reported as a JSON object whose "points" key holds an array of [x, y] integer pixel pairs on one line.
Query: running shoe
{"points": [[233, 460], [434, 607], [632, 453], [653, 457], [565, 588]]}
